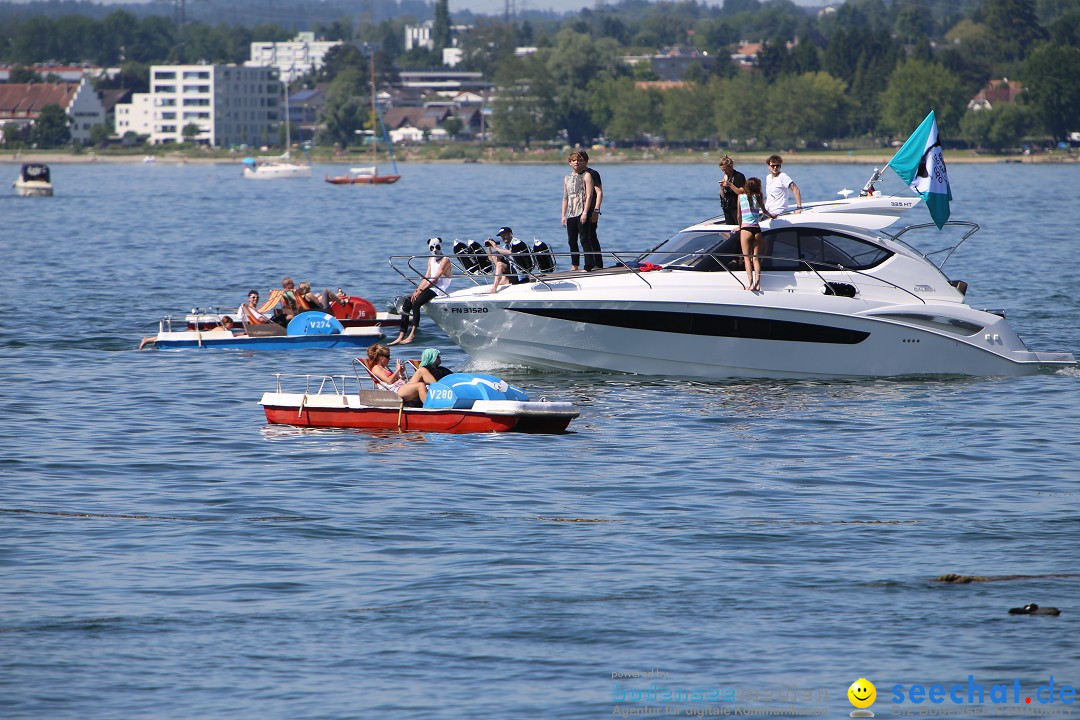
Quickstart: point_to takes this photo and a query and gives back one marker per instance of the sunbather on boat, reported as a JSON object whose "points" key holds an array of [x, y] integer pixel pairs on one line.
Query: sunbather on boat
{"points": [[412, 390]]}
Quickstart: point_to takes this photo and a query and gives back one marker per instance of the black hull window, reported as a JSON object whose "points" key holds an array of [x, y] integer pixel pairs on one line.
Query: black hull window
{"points": [[706, 325]]}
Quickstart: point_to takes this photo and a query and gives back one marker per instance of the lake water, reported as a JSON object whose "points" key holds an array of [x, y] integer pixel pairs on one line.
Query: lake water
{"points": [[166, 554]]}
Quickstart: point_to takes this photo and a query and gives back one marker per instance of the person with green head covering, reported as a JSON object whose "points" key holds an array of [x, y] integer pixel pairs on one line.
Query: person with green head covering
{"points": [[428, 357], [432, 360]]}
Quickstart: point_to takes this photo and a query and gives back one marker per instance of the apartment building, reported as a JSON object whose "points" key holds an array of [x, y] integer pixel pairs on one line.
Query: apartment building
{"points": [[136, 116], [231, 104], [294, 58]]}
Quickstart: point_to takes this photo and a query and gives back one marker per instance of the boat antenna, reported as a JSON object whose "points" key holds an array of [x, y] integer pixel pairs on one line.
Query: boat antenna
{"points": [[288, 130], [377, 124], [868, 188]]}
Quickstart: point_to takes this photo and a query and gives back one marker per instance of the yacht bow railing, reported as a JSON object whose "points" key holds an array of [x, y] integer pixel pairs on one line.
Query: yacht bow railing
{"points": [[972, 229]]}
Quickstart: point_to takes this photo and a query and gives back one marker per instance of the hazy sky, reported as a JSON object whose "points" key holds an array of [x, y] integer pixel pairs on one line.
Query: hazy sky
{"points": [[497, 6]]}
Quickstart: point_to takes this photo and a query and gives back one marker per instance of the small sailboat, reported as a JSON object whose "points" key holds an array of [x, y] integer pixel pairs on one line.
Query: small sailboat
{"points": [[369, 175], [282, 166]]}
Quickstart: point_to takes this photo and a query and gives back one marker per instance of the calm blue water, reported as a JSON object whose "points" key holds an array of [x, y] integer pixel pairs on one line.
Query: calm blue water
{"points": [[166, 554]]}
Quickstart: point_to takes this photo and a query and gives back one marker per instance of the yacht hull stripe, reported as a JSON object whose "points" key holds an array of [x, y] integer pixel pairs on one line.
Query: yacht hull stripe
{"points": [[732, 326]]}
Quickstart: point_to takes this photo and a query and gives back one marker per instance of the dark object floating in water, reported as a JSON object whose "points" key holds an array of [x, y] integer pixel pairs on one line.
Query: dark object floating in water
{"points": [[1033, 609], [963, 579]]}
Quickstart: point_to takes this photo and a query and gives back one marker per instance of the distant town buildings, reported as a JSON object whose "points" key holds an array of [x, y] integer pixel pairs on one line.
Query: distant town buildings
{"points": [[745, 56], [62, 73], [21, 104], [229, 104], [420, 35], [443, 81], [671, 64], [294, 58]]}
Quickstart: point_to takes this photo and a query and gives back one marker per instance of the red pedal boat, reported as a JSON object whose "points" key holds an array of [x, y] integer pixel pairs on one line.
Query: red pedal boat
{"points": [[338, 402]]}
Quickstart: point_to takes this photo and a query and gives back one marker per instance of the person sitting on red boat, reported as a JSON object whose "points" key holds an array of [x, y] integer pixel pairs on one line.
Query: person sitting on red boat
{"points": [[431, 360], [413, 390]]}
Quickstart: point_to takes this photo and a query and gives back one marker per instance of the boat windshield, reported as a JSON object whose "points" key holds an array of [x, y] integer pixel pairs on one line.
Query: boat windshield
{"points": [[35, 171], [790, 248], [793, 248], [690, 249]]}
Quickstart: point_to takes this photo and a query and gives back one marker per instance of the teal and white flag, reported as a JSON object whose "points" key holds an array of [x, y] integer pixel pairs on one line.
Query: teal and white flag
{"points": [[921, 164]]}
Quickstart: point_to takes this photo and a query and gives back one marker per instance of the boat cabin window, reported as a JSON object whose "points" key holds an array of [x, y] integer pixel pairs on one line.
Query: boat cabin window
{"points": [[35, 171], [792, 248], [694, 250]]}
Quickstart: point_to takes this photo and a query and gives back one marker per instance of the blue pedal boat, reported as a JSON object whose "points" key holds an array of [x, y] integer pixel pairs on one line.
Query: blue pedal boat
{"points": [[307, 330]]}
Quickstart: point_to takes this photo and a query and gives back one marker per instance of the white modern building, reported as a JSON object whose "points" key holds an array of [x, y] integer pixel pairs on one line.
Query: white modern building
{"points": [[136, 116], [231, 104], [420, 35], [295, 58]]}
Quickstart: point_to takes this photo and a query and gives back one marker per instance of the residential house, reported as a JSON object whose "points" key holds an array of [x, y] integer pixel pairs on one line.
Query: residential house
{"points": [[745, 56], [21, 104], [410, 123], [62, 73], [995, 93]]}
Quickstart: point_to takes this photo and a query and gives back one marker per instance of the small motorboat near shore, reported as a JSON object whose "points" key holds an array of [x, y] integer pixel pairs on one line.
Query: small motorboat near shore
{"points": [[459, 403], [306, 330], [34, 181]]}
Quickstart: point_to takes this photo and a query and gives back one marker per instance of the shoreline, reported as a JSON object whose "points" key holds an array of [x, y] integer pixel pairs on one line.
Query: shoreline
{"points": [[687, 158]]}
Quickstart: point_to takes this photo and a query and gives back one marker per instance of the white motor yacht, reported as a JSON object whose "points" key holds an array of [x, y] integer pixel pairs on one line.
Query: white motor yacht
{"points": [[33, 181], [839, 298]]}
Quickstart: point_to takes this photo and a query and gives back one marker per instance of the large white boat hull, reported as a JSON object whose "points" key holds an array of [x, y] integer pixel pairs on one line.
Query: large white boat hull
{"points": [[736, 334]]}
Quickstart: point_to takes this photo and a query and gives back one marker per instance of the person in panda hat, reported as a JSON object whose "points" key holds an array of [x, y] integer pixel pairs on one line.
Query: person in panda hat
{"points": [[436, 282]]}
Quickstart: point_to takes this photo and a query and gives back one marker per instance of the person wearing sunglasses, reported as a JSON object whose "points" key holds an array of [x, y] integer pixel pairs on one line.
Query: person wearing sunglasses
{"points": [[249, 311], [776, 188], [730, 186], [411, 390]]}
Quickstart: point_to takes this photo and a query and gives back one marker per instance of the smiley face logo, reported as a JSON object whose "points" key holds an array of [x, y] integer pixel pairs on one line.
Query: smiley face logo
{"points": [[862, 693]]}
